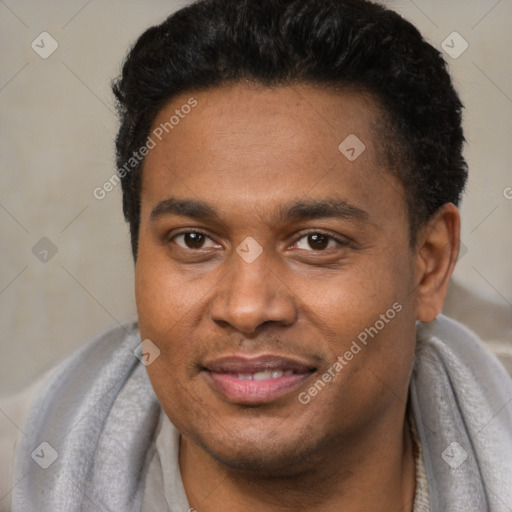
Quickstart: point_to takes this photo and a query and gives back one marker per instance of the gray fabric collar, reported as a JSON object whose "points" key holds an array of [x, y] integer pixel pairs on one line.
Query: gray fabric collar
{"points": [[462, 401], [98, 411]]}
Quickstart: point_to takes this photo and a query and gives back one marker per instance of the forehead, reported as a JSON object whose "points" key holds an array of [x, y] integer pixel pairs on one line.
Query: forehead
{"points": [[259, 145], [320, 115]]}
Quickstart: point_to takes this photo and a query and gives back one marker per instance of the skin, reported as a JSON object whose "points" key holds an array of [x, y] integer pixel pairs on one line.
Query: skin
{"points": [[247, 151]]}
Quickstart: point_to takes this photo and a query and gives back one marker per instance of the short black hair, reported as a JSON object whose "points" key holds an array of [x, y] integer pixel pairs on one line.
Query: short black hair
{"points": [[355, 44]]}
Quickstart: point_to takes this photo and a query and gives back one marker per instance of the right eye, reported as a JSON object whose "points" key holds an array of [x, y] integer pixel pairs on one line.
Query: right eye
{"points": [[193, 240]]}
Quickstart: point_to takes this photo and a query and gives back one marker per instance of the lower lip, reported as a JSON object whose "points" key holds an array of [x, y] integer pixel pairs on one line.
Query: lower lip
{"points": [[254, 391]]}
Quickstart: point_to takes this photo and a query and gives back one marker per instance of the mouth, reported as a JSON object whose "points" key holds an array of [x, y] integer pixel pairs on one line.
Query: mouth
{"points": [[258, 380]]}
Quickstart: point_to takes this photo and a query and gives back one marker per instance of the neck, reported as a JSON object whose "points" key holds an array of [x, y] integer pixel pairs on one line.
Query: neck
{"points": [[375, 472]]}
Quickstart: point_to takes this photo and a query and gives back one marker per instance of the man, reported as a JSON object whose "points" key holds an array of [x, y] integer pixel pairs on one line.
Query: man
{"points": [[291, 172]]}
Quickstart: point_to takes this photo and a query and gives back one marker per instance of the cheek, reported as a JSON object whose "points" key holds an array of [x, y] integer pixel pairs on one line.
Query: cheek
{"points": [[183, 406], [353, 298], [169, 309], [364, 314], [368, 333], [163, 297], [162, 316]]}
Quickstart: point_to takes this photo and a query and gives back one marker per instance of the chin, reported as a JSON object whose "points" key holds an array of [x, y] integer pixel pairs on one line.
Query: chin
{"points": [[264, 455]]}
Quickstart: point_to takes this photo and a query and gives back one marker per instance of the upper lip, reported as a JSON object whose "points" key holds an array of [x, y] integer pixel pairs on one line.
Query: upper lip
{"points": [[244, 364]]}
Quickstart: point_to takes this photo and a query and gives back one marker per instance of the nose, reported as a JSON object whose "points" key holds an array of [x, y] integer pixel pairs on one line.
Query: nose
{"points": [[251, 295]]}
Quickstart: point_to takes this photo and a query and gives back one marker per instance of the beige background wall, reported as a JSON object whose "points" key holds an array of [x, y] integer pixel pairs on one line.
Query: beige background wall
{"points": [[57, 131]]}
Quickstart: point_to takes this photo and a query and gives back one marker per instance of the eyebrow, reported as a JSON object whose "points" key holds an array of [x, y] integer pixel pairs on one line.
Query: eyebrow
{"points": [[314, 209], [184, 207], [296, 210]]}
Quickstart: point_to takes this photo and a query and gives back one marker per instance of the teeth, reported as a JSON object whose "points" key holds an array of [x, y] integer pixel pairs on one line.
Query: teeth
{"points": [[265, 375], [262, 375]]}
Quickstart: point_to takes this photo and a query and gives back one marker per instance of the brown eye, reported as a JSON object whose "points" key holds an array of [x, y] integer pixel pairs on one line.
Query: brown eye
{"points": [[193, 240], [317, 242]]}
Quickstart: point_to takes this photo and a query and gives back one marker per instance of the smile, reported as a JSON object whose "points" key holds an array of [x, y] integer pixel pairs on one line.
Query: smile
{"points": [[258, 380]]}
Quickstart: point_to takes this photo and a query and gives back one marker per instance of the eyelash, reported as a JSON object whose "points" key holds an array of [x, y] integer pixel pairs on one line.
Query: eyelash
{"points": [[339, 241]]}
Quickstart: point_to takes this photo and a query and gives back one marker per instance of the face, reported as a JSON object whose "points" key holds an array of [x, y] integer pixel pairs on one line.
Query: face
{"points": [[274, 274]]}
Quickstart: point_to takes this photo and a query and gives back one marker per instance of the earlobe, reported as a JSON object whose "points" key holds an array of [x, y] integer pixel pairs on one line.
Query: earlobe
{"points": [[436, 253]]}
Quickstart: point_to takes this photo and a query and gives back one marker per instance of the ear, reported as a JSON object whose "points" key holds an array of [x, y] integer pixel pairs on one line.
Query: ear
{"points": [[436, 254]]}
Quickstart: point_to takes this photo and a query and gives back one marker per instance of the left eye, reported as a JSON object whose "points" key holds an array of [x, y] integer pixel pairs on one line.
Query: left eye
{"points": [[317, 242]]}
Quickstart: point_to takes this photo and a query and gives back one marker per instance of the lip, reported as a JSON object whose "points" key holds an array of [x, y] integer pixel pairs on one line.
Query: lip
{"points": [[222, 375]]}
